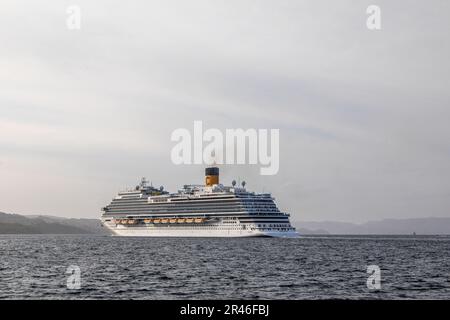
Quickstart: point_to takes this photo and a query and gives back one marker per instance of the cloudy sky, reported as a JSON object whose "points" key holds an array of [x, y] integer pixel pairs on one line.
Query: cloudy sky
{"points": [[363, 115]]}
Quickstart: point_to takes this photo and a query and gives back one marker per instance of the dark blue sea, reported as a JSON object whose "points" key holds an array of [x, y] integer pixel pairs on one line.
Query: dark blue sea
{"points": [[329, 267]]}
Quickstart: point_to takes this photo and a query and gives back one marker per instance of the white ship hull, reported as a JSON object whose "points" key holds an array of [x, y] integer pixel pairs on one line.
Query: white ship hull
{"points": [[169, 231]]}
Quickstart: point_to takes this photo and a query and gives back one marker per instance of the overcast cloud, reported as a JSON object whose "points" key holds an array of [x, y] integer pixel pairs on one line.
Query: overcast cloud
{"points": [[363, 115]]}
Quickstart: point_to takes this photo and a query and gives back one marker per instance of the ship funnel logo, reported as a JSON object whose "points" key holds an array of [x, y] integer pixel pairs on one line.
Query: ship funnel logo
{"points": [[235, 146]]}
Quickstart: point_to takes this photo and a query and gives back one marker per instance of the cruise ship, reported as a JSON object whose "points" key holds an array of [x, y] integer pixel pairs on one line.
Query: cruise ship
{"points": [[209, 210]]}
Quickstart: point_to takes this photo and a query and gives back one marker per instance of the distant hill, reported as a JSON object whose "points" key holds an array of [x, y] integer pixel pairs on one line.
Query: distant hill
{"points": [[420, 226], [305, 231], [43, 224], [18, 224]]}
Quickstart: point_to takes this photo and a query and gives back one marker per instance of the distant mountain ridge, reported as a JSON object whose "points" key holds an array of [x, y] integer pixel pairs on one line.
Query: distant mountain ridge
{"points": [[44, 224], [19, 224], [420, 226]]}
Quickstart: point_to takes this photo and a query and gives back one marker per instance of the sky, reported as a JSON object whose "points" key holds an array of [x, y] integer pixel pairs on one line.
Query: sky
{"points": [[363, 114]]}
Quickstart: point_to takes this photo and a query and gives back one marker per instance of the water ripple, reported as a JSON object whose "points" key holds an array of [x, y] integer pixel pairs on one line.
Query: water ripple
{"points": [[34, 267]]}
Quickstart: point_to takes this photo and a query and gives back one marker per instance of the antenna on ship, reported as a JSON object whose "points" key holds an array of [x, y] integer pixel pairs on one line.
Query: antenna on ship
{"points": [[143, 182], [213, 155]]}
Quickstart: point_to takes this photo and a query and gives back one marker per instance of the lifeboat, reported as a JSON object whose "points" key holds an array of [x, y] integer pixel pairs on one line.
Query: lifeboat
{"points": [[157, 221], [198, 220], [164, 220], [173, 220], [124, 221], [131, 221], [147, 220], [181, 220], [189, 220]]}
